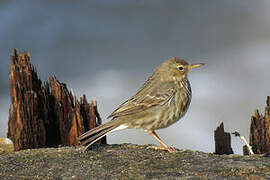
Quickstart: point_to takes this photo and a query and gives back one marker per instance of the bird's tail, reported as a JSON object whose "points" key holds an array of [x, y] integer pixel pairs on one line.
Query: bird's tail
{"points": [[93, 135]]}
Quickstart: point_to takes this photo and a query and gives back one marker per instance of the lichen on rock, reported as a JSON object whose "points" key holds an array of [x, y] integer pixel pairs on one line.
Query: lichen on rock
{"points": [[128, 161]]}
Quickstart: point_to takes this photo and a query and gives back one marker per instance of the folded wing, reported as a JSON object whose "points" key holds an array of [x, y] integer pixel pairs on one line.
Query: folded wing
{"points": [[147, 97]]}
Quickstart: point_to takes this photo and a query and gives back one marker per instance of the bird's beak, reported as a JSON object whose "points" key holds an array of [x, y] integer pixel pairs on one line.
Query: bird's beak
{"points": [[192, 66]]}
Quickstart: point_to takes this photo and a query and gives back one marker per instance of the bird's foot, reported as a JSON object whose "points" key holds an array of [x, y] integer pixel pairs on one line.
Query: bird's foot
{"points": [[162, 148]]}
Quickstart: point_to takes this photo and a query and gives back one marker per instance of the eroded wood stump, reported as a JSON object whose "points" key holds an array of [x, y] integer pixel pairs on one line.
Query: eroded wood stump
{"points": [[259, 137], [45, 115], [222, 141]]}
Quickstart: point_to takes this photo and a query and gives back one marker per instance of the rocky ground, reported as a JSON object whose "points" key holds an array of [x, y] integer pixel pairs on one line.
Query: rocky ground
{"points": [[128, 161]]}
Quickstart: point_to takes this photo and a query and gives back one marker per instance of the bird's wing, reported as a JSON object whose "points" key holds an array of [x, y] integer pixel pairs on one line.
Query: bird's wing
{"points": [[150, 95]]}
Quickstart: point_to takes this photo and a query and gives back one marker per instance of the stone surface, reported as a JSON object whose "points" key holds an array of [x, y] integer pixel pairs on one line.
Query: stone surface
{"points": [[128, 161]]}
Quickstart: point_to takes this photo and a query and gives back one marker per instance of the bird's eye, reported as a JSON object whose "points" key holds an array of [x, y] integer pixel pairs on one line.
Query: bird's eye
{"points": [[181, 68]]}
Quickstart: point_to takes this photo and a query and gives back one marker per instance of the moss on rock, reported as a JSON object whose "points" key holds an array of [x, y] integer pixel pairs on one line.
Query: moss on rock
{"points": [[128, 161]]}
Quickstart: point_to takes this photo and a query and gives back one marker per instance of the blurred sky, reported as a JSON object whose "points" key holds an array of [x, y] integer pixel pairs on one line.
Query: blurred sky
{"points": [[107, 49]]}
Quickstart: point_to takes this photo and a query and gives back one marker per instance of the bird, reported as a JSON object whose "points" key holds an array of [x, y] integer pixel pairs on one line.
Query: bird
{"points": [[161, 101]]}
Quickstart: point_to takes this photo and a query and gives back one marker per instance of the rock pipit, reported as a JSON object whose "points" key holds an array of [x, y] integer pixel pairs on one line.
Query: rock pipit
{"points": [[162, 100]]}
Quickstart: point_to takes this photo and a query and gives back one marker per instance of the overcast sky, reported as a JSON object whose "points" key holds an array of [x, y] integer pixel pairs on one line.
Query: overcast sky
{"points": [[107, 49]]}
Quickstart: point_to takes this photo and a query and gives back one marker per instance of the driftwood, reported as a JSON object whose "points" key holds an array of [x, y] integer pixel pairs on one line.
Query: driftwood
{"points": [[222, 141], [247, 149], [259, 137], [45, 115]]}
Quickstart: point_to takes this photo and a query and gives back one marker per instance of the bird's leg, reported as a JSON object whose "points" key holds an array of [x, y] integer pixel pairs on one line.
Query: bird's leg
{"points": [[164, 146]]}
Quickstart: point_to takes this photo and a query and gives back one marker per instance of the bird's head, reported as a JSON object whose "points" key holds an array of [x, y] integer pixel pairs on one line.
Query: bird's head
{"points": [[176, 68]]}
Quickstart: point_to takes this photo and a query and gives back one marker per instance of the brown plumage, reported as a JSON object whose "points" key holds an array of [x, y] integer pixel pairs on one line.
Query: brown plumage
{"points": [[162, 100]]}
